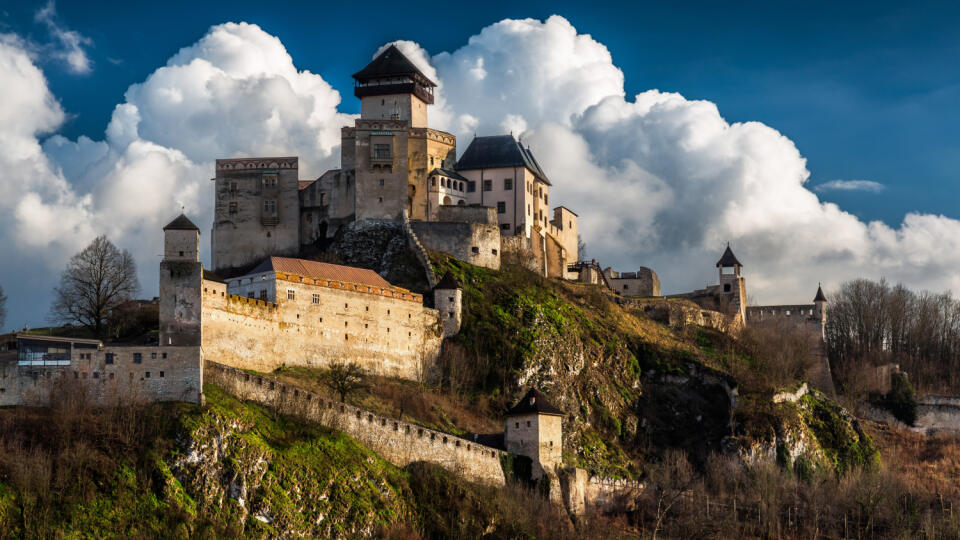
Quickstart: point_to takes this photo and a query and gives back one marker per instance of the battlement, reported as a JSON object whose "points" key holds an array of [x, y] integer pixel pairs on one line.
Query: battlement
{"points": [[287, 162], [396, 441]]}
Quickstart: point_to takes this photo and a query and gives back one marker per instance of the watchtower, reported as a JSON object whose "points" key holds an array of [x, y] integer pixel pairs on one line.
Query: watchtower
{"points": [[534, 428], [733, 290], [390, 146], [820, 301], [181, 280], [448, 300]]}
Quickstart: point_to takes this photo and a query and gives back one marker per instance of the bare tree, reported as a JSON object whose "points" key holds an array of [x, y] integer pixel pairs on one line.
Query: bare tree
{"points": [[96, 281], [345, 378], [3, 308], [581, 248]]}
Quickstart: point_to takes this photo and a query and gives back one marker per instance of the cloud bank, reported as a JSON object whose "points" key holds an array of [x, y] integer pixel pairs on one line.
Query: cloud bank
{"points": [[658, 180]]}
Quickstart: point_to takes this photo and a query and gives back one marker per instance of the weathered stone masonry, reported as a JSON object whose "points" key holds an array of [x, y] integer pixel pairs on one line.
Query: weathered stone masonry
{"points": [[400, 443]]}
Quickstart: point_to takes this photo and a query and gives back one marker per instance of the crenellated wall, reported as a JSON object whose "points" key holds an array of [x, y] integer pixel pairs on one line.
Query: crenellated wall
{"points": [[387, 331], [400, 443]]}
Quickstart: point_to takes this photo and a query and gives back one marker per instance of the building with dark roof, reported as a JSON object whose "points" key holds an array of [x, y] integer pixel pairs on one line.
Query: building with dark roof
{"points": [[534, 428]]}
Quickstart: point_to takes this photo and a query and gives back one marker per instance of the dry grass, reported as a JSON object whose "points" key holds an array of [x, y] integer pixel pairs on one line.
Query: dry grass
{"points": [[930, 462]]}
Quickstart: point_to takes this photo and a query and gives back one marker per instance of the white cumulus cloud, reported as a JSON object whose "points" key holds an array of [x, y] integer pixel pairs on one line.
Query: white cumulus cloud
{"points": [[69, 45]]}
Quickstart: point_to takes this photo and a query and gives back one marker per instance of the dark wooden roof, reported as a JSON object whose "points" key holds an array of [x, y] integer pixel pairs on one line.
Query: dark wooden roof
{"points": [[210, 276], [448, 282], [534, 403], [181, 223], [728, 259], [820, 297], [499, 151], [391, 63], [451, 174]]}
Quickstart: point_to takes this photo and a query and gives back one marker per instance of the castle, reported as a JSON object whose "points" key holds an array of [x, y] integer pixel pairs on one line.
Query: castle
{"points": [[395, 167], [263, 307]]}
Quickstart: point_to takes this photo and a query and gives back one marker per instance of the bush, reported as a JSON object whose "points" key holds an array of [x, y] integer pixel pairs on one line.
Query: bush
{"points": [[901, 400]]}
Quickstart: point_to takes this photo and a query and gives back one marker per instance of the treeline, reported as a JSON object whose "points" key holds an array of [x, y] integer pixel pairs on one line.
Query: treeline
{"points": [[871, 323]]}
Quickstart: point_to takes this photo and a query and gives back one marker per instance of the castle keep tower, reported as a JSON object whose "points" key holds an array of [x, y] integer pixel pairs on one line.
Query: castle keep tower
{"points": [[181, 280], [534, 428], [733, 288], [448, 300], [390, 146]]}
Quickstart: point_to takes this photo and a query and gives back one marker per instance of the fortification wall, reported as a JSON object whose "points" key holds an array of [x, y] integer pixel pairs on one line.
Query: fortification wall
{"points": [[384, 330], [680, 314], [110, 375], [486, 215], [475, 243], [400, 443], [582, 492]]}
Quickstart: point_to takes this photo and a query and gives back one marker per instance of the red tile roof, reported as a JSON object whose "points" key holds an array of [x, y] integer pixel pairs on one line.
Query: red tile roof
{"points": [[304, 184], [319, 270]]}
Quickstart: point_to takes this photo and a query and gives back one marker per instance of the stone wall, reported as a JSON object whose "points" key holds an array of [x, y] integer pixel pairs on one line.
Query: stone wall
{"points": [[400, 443], [386, 331], [468, 214], [679, 314], [643, 282], [110, 375], [475, 243], [582, 492]]}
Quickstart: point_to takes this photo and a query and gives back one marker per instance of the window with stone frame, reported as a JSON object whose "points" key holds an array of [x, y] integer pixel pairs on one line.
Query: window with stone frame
{"points": [[270, 207], [291, 294], [316, 298], [381, 151], [270, 180]]}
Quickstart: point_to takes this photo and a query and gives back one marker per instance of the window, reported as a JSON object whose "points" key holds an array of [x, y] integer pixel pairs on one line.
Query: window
{"points": [[461, 186], [507, 183], [270, 207], [323, 199], [726, 287], [137, 358], [108, 358], [163, 355], [233, 207], [316, 298], [624, 286], [161, 374], [148, 375], [475, 249], [250, 294], [381, 151], [518, 425], [269, 180], [544, 198], [263, 294], [488, 185], [153, 356], [233, 187], [431, 160], [471, 187], [381, 181], [433, 181], [291, 294], [443, 182], [528, 209], [501, 207]]}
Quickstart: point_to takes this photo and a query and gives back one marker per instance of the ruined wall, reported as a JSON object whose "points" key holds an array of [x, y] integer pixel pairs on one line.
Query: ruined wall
{"points": [[398, 442], [475, 243], [386, 331], [110, 375], [678, 314], [582, 492], [643, 282]]}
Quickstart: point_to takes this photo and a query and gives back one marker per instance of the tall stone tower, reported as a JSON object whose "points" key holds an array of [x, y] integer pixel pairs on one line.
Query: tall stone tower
{"points": [[448, 299], [181, 280], [820, 301], [256, 211], [390, 146], [534, 428], [733, 288]]}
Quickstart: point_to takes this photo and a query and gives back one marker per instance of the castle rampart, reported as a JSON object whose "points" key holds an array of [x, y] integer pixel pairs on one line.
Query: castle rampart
{"points": [[398, 442]]}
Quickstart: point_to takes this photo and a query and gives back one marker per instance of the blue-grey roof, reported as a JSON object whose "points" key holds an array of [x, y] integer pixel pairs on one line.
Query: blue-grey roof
{"points": [[499, 151], [452, 174]]}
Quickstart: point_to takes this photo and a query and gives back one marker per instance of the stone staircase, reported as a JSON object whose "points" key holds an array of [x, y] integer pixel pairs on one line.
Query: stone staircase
{"points": [[418, 248]]}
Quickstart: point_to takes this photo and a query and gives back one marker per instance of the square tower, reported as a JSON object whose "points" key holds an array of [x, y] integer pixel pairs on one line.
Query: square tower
{"points": [[534, 428], [181, 279]]}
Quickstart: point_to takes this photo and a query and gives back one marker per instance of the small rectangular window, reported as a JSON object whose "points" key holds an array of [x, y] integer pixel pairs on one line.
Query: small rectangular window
{"points": [[148, 374], [233, 187], [507, 184], [501, 207], [137, 358], [471, 187], [153, 356], [233, 207], [488, 185], [161, 374], [316, 298], [263, 294], [270, 207], [504, 226], [269, 180], [381, 151], [291, 294], [163, 355]]}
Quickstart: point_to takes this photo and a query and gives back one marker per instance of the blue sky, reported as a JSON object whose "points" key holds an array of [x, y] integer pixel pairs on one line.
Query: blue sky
{"points": [[866, 90], [776, 108]]}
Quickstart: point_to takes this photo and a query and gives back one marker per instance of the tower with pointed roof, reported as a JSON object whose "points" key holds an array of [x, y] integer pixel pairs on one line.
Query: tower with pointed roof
{"points": [[820, 301], [391, 147], [181, 280], [732, 288], [534, 428]]}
